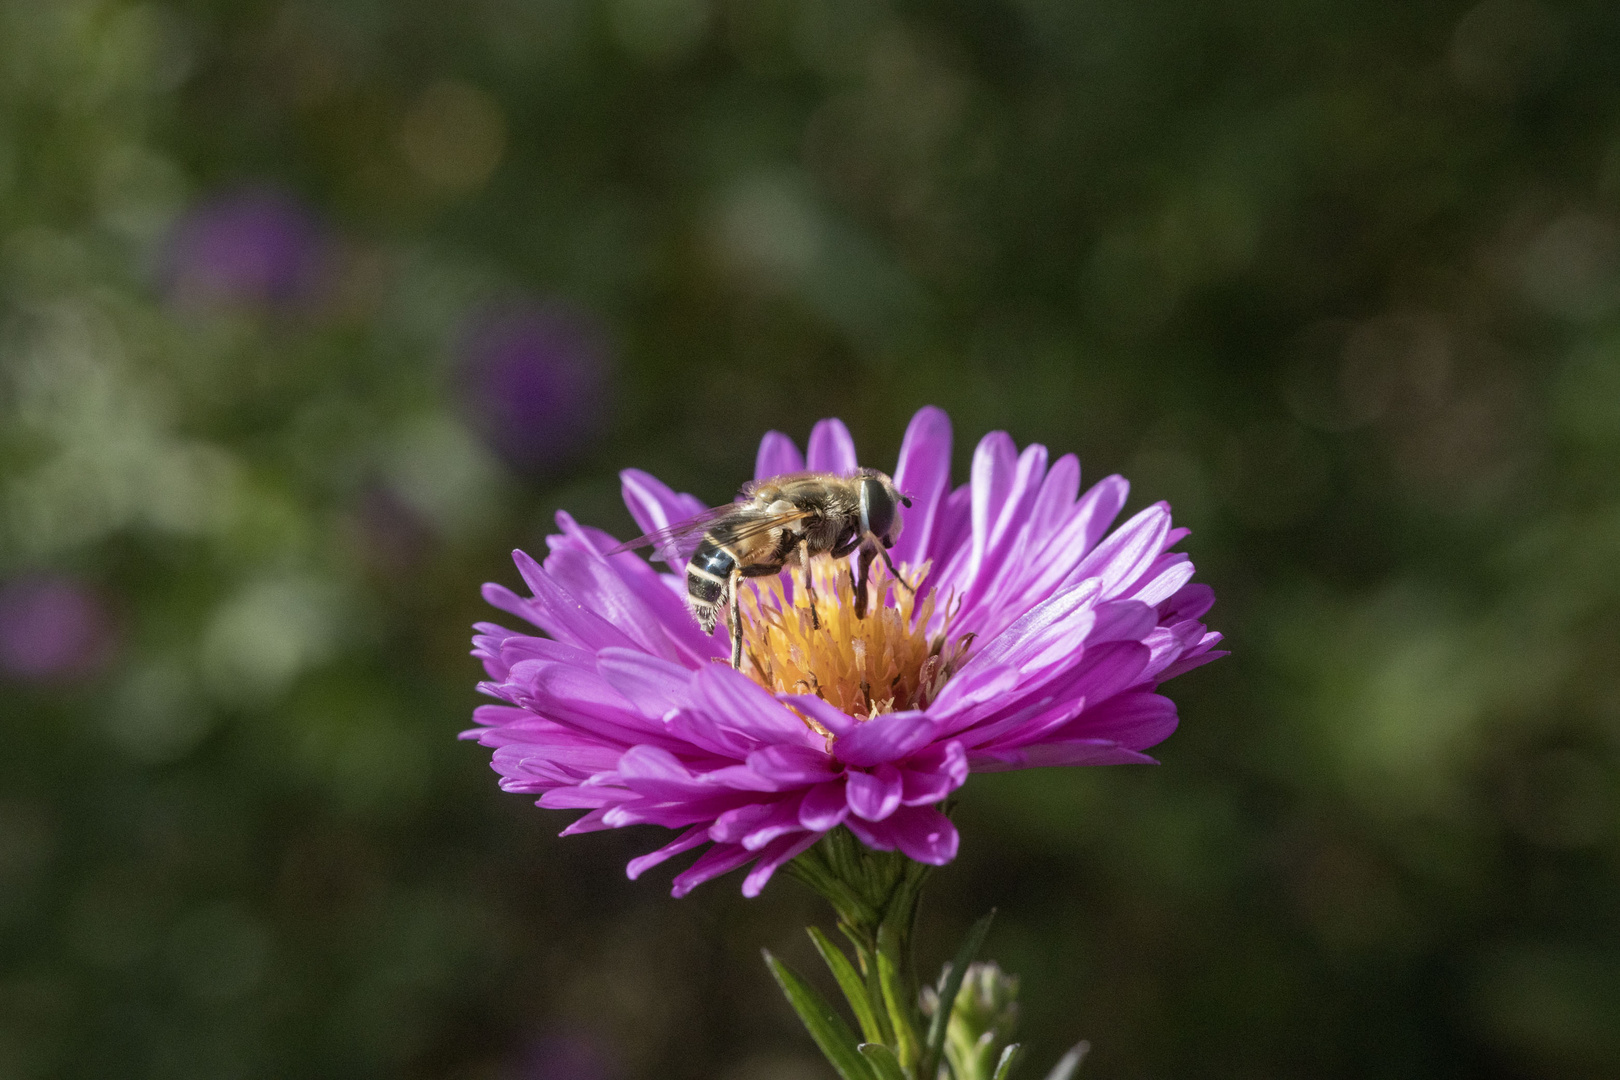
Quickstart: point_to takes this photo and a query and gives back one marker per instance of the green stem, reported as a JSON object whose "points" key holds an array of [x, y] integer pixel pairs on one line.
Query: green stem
{"points": [[876, 894]]}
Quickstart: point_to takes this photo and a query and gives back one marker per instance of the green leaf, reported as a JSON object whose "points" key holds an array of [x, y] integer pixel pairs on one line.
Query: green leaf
{"points": [[883, 1061], [837, 1042], [947, 993], [1009, 1058], [850, 982], [900, 996], [1069, 1064]]}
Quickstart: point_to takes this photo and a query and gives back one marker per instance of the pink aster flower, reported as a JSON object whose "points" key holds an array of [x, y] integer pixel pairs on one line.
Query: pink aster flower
{"points": [[1035, 637]]}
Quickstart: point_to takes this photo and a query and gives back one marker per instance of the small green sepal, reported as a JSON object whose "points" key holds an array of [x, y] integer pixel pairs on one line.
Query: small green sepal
{"points": [[1069, 1064], [1010, 1058], [883, 1061]]}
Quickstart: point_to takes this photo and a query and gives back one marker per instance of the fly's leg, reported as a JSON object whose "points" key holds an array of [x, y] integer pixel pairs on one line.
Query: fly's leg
{"points": [[734, 618], [809, 586], [889, 563], [865, 561]]}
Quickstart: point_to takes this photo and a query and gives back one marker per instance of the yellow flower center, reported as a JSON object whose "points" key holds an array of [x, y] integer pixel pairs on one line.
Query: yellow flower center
{"points": [[862, 666]]}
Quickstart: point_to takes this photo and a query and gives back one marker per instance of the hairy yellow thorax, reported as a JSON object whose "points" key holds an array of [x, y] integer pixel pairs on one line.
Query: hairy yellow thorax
{"points": [[862, 666]]}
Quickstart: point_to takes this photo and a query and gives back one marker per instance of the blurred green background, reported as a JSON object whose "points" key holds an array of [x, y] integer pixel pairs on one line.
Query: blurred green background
{"points": [[311, 310]]}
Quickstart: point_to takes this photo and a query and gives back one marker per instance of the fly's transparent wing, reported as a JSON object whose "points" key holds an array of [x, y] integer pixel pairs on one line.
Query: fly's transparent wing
{"points": [[735, 522], [674, 543]]}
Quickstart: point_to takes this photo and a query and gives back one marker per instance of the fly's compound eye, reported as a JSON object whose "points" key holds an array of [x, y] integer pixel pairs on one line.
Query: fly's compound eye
{"points": [[877, 507]]}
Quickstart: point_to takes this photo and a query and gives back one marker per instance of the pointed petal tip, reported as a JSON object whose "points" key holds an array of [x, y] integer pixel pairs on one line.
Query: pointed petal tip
{"points": [[777, 454], [831, 448]]}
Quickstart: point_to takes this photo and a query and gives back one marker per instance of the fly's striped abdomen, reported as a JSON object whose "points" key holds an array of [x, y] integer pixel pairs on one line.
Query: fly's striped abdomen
{"points": [[708, 574]]}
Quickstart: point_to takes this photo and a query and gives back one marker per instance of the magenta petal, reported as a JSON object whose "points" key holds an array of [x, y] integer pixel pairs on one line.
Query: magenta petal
{"points": [[495, 715], [657, 773], [976, 685], [824, 806], [688, 840], [1052, 630], [923, 474], [559, 613], [874, 795], [877, 835], [1191, 602], [720, 859], [785, 850], [653, 503], [1122, 620], [1054, 562], [995, 462], [921, 833], [664, 598], [1107, 669], [924, 835], [782, 820], [1074, 752], [831, 449], [709, 734], [1163, 582], [933, 774], [519, 647], [1169, 644], [649, 619], [732, 825], [828, 716], [1097, 509], [1121, 557], [591, 822], [738, 703], [883, 738], [777, 455], [1055, 502], [655, 686], [1187, 663], [950, 548], [575, 798], [582, 701], [1136, 720], [791, 766], [1013, 516]]}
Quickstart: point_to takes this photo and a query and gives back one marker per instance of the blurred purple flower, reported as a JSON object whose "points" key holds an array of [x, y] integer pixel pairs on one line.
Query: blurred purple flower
{"points": [[534, 378], [563, 1057], [1046, 646], [250, 247], [52, 627]]}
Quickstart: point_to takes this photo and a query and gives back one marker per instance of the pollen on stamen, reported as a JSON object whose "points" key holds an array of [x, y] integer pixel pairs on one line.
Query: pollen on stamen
{"points": [[862, 666]]}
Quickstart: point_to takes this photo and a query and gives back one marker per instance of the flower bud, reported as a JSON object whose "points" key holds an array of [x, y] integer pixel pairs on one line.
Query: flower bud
{"points": [[982, 1020]]}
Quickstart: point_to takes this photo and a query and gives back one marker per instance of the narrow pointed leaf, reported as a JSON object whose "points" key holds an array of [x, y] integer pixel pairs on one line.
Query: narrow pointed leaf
{"points": [[883, 1061], [947, 993], [1010, 1057], [1069, 1064], [899, 998], [850, 982], [837, 1042]]}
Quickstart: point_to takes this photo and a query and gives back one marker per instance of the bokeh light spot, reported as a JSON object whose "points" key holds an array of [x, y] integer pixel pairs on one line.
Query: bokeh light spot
{"points": [[454, 136]]}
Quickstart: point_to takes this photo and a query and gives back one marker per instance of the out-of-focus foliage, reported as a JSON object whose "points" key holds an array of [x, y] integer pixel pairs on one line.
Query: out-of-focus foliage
{"points": [[310, 311]]}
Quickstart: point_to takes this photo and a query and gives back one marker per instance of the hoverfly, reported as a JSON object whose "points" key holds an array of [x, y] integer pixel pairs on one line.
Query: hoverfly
{"points": [[800, 515]]}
